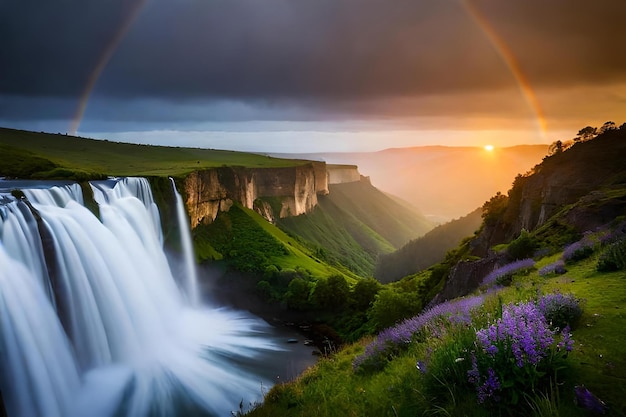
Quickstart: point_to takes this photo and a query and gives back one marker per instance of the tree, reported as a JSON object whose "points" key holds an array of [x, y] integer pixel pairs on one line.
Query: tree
{"points": [[608, 126], [364, 293], [297, 296], [586, 133], [555, 148], [331, 293], [494, 208]]}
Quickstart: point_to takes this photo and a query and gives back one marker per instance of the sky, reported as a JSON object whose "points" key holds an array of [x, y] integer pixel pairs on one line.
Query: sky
{"points": [[313, 75]]}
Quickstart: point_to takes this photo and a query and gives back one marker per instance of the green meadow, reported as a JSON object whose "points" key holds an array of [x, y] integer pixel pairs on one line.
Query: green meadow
{"points": [[44, 155]]}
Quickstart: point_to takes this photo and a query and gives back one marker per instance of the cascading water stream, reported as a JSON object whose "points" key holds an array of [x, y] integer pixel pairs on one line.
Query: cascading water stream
{"points": [[126, 343], [190, 272]]}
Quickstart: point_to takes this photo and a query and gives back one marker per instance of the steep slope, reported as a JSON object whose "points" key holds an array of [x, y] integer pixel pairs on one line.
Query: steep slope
{"points": [[427, 250], [582, 185], [396, 221], [571, 194], [355, 223], [249, 243]]}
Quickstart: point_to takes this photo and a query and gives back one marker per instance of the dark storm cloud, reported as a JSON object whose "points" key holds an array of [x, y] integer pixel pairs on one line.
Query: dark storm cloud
{"points": [[563, 42], [49, 48], [322, 51], [322, 48]]}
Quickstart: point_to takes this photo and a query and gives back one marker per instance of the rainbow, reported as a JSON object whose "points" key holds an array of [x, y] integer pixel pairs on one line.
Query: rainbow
{"points": [[511, 62], [101, 64], [481, 21]]}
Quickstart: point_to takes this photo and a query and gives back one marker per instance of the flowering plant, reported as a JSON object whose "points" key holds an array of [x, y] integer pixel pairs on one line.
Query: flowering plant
{"points": [[560, 310], [579, 250], [433, 321], [515, 354], [557, 267], [503, 274]]}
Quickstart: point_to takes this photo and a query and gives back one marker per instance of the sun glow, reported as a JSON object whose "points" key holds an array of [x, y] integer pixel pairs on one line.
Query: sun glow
{"points": [[489, 148]]}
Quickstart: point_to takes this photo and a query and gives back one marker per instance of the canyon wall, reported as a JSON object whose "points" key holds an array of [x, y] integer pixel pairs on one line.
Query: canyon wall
{"points": [[272, 192]]}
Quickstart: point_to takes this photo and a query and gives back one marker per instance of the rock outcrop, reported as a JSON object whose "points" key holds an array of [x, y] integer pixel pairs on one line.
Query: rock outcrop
{"points": [[272, 192], [465, 277], [341, 174]]}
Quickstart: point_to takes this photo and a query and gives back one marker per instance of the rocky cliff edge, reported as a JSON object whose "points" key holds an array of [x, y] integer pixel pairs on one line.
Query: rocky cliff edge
{"points": [[272, 192]]}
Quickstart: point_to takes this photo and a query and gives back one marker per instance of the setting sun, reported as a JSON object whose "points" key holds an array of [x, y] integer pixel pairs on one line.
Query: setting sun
{"points": [[489, 148]]}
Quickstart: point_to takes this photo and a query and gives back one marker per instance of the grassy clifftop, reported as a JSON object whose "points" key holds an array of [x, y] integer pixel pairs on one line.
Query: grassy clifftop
{"points": [[44, 155]]}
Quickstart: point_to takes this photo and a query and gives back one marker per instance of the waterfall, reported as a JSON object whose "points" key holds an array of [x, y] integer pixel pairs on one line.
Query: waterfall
{"points": [[111, 334], [191, 278]]}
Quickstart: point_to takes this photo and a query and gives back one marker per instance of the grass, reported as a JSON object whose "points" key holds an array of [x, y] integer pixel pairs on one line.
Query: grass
{"points": [[598, 361], [355, 224], [336, 231], [241, 236], [123, 159]]}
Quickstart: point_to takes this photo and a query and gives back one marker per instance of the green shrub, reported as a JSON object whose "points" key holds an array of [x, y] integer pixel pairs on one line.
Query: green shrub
{"points": [[391, 307], [560, 310], [613, 258], [364, 293], [522, 247]]}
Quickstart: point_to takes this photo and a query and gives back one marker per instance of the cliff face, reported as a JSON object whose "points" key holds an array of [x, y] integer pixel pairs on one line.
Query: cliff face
{"points": [[341, 174], [464, 278], [272, 192]]}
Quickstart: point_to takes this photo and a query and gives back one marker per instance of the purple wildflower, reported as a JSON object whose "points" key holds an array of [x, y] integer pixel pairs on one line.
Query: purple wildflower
{"points": [[522, 330], [421, 366], [507, 270], [566, 342], [559, 309], [473, 375], [557, 267], [394, 339], [518, 343], [586, 400], [618, 233], [579, 250], [489, 388]]}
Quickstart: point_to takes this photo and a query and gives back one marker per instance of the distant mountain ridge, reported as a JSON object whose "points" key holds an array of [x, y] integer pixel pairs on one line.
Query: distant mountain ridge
{"points": [[443, 182]]}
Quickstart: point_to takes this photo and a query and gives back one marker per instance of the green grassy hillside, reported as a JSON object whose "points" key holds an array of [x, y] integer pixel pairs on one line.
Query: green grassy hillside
{"points": [[393, 219], [438, 385], [355, 224], [247, 242], [64, 156]]}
